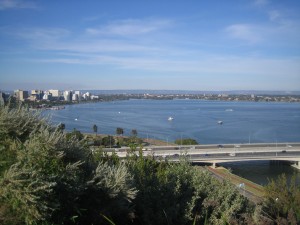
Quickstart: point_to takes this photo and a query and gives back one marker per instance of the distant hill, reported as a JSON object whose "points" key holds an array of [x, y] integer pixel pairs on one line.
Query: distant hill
{"points": [[237, 92]]}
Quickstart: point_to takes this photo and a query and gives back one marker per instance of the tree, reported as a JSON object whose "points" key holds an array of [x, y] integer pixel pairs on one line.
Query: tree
{"points": [[187, 141], [282, 200], [95, 129], [119, 131], [75, 133], [62, 126], [108, 141], [134, 132]]}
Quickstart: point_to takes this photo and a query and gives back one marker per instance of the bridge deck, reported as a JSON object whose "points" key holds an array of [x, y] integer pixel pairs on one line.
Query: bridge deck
{"points": [[224, 153]]}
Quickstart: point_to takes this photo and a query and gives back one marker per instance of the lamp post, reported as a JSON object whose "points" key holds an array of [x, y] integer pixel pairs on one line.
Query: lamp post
{"points": [[249, 137], [180, 138]]}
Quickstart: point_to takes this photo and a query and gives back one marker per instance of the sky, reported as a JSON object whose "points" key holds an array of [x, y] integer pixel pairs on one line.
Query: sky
{"points": [[200, 45]]}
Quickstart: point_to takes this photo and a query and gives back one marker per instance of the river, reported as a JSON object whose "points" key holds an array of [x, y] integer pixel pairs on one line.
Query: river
{"points": [[243, 122]]}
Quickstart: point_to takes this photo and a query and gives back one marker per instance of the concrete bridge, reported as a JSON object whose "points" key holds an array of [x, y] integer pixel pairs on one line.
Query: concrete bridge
{"points": [[225, 153]]}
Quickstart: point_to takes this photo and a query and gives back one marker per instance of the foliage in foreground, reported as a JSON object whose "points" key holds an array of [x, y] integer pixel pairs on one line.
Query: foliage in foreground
{"points": [[180, 193], [49, 177], [282, 201]]}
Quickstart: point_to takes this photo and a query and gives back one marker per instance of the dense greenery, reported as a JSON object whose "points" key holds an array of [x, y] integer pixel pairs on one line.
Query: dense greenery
{"points": [[95, 129], [282, 200], [119, 131], [50, 177], [186, 141]]}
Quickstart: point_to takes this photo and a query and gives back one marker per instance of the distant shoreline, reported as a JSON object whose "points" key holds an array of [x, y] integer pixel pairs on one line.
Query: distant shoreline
{"points": [[50, 105]]}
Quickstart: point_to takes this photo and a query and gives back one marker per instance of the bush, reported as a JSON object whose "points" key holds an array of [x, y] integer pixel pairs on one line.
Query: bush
{"points": [[48, 177], [180, 193], [187, 141], [282, 200]]}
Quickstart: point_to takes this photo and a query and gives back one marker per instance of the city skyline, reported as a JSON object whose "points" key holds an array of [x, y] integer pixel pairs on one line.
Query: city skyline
{"points": [[170, 45]]}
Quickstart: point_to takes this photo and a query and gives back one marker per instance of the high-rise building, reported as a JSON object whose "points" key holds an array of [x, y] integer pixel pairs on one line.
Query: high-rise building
{"points": [[47, 95], [21, 95], [37, 94], [68, 96], [55, 93], [87, 96], [75, 97], [78, 93]]}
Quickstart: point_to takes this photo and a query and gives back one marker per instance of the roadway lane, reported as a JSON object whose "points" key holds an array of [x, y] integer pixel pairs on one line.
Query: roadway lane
{"points": [[236, 156], [217, 152]]}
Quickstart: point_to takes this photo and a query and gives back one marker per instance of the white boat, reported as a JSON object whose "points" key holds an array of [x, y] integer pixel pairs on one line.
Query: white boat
{"points": [[76, 119], [170, 118], [229, 110], [220, 122]]}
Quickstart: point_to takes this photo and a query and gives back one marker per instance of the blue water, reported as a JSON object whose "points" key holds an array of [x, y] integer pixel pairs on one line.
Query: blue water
{"points": [[243, 122]]}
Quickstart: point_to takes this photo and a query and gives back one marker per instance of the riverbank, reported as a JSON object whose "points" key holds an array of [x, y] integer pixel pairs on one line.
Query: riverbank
{"points": [[144, 141], [249, 189]]}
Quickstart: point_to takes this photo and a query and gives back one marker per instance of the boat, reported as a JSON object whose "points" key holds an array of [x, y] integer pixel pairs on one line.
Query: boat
{"points": [[170, 118], [220, 122], [76, 119], [229, 110]]}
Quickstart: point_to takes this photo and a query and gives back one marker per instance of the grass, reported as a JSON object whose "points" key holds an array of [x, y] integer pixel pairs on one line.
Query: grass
{"points": [[251, 187], [148, 141]]}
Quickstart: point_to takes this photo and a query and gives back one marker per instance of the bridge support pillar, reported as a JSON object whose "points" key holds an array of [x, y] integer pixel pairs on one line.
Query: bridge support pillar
{"points": [[297, 165]]}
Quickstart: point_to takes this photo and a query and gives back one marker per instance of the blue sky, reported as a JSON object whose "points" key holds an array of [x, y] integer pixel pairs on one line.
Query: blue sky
{"points": [[170, 45]]}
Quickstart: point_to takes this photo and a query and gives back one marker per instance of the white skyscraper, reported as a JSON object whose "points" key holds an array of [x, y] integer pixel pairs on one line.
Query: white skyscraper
{"points": [[68, 96], [55, 93]]}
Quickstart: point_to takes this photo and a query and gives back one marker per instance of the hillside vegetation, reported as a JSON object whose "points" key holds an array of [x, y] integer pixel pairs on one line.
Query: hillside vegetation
{"points": [[49, 177]]}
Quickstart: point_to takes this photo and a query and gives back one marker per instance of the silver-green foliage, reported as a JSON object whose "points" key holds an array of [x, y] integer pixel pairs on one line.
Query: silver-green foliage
{"points": [[196, 194], [179, 193], [19, 122], [115, 180], [44, 161], [25, 191], [48, 177]]}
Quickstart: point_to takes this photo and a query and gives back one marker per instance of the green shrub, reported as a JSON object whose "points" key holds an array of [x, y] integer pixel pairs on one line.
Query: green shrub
{"points": [[187, 141], [49, 177]]}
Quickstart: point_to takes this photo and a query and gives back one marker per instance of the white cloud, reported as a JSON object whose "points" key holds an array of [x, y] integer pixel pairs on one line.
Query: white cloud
{"points": [[156, 56], [130, 27], [202, 64], [40, 34], [17, 4], [58, 39], [274, 15], [244, 32], [94, 46]]}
